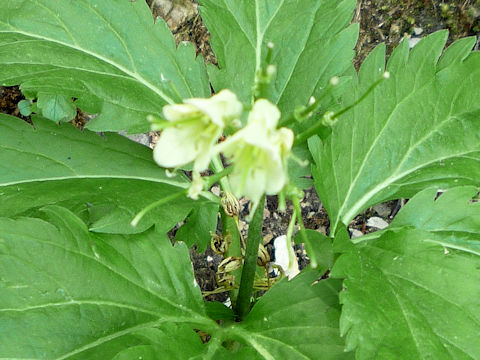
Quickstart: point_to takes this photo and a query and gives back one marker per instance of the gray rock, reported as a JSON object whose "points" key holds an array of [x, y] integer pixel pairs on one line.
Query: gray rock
{"points": [[377, 222]]}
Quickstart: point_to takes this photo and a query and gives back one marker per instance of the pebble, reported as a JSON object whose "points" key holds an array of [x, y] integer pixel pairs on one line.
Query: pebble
{"points": [[413, 41], [355, 233], [417, 30], [382, 210], [377, 222]]}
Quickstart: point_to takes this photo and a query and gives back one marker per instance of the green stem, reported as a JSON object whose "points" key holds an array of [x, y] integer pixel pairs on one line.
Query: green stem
{"points": [[153, 205], [308, 110], [218, 168], [242, 307], [230, 228], [306, 241], [218, 177], [304, 136]]}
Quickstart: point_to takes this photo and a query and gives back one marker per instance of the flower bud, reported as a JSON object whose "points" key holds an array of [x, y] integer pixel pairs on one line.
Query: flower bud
{"points": [[220, 244], [229, 264], [263, 258], [334, 80], [329, 118], [230, 204], [226, 280]]}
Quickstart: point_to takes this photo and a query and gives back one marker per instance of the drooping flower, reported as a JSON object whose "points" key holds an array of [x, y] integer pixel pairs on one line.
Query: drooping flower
{"points": [[259, 153], [196, 126]]}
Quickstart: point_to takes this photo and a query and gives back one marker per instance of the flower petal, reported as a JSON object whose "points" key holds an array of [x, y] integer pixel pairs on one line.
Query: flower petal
{"points": [[219, 108], [176, 112], [175, 147]]}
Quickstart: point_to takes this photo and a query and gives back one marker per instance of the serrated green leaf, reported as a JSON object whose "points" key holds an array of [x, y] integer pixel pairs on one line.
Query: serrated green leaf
{"points": [[170, 341], [66, 293], [52, 164], [296, 320], [56, 107], [406, 297], [109, 55], [418, 129], [452, 211], [306, 56], [453, 218], [200, 224]]}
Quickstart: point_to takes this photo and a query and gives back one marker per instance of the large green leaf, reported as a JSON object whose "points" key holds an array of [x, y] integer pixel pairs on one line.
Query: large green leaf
{"points": [[306, 56], [416, 130], [67, 293], [452, 217], [408, 297], [452, 211], [296, 319], [108, 179], [108, 54], [170, 341]]}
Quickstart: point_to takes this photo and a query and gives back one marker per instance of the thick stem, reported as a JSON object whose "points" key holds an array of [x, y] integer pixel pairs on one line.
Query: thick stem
{"points": [[242, 307], [230, 228]]}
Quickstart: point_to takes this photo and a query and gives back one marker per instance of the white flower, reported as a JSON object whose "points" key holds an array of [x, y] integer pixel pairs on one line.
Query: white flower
{"points": [[259, 153], [197, 125]]}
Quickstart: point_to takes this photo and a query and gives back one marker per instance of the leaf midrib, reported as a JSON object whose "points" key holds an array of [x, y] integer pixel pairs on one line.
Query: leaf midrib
{"points": [[119, 274], [131, 74]]}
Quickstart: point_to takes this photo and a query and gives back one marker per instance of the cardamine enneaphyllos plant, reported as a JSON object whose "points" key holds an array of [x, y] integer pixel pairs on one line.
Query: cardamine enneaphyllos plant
{"points": [[86, 268]]}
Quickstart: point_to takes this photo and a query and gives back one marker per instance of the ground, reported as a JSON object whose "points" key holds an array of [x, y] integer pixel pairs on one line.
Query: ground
{"points": [[380, 21]]}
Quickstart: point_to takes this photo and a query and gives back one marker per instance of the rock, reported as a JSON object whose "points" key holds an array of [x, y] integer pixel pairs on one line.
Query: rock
{"points": [[382, 210], [354, 233], [417, 30], [413, 41], [377, 222]]}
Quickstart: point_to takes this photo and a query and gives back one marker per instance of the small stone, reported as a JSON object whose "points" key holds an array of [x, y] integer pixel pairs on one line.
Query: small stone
{"points": [[417, 30], [382, 210], [216, 190], [355, 233], [413, 41], [377, 222]]}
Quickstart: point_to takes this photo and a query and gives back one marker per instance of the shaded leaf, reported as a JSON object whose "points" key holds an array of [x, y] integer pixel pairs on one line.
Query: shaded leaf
{"points": [[242, 30], [322, 247], [418, 129], [407, 298], [170, 341], [49, 164], [84, 296], [56, 107], [453, 218], [200, 224], [109, 55], [296, 320]]}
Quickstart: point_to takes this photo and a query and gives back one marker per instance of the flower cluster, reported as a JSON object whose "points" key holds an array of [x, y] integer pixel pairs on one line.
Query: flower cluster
{"points": [[258, 151]]}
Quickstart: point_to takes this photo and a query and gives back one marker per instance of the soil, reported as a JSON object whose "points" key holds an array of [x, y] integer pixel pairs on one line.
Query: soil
{"points": [[380, 21]]}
